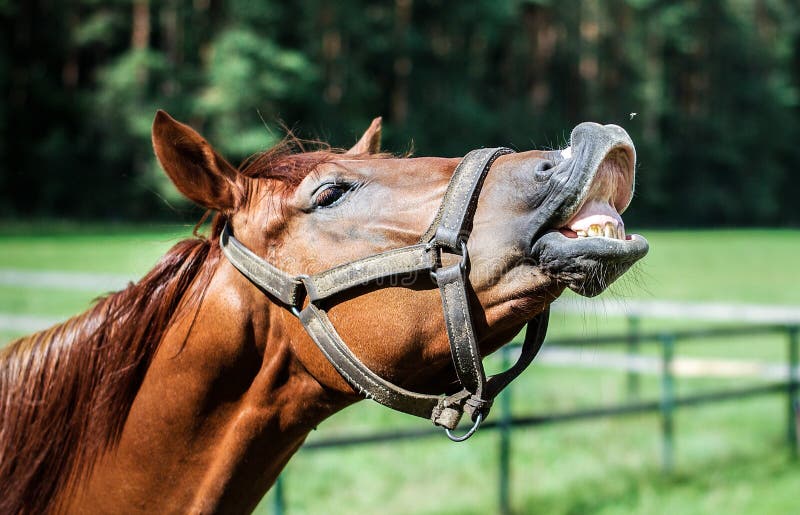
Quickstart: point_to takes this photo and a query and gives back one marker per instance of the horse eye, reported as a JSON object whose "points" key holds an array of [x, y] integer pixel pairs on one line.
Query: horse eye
{"points": [[329, 195]]}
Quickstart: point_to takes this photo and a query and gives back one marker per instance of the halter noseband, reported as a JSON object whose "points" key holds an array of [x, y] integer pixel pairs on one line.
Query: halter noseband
{"points": [[448, 233]]}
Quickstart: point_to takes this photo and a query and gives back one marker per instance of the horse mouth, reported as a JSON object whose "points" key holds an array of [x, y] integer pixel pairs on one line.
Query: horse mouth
{"points": [[586, 246]]}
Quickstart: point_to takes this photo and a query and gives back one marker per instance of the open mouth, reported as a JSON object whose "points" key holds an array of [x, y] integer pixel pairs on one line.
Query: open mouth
{"points": [[588, 247], [609, 193]]}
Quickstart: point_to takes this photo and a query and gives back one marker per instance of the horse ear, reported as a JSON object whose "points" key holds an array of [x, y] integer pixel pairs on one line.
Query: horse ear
{"points": [[196, 169], [370, 142]]}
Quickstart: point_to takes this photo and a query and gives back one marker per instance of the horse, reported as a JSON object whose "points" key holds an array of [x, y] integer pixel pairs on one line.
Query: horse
{"points": [[326, 277]]}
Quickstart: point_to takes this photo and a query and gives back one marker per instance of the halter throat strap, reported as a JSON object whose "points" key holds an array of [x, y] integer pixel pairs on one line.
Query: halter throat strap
{"points": [[449, 233]]}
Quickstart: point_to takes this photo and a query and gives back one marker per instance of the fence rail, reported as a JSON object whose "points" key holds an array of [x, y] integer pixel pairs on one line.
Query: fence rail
{"points": [[634, 339]]}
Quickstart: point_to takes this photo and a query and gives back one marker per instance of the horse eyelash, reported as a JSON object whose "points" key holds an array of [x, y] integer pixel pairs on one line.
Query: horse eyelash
{"points": [[346, 188]]}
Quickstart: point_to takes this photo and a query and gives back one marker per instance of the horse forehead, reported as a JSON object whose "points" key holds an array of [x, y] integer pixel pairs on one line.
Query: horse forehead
{"points": [[391, 166], [388, 163]]}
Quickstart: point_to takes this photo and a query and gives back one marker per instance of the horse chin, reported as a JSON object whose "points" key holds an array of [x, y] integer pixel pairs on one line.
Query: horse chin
{"points": [[587, 265]]}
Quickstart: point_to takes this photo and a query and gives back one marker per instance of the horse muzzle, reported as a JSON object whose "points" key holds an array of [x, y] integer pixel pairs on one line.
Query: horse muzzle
{"points": [[584, 243]]}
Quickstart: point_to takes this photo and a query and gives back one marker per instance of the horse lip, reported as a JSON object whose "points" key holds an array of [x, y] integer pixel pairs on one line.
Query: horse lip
{"points": [[587, 265]]}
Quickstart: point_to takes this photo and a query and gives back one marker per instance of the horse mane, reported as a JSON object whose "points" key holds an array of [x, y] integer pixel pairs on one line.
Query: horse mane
{"points": [[66, 392]]}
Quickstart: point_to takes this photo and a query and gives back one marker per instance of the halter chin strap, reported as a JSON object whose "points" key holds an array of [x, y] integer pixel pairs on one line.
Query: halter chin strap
{"points": [[448, 233]]}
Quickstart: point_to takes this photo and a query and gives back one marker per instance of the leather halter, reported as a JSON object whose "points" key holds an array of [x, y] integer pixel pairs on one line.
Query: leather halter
{"points": [[448, 233]]}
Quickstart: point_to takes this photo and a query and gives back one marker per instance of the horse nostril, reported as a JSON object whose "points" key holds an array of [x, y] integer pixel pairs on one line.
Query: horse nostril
{"points": [[543, 170]]}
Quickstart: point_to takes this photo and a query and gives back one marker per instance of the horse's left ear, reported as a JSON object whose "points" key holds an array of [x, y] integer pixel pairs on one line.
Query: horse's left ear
{"points": [[195, 168], [370, 142]]}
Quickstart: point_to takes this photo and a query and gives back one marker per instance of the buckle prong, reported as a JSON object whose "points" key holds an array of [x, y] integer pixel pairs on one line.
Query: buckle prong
{"points": [[301, 281], [464, 256]]}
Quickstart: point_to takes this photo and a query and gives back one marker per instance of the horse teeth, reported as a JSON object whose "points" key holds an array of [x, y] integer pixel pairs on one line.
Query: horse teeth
{"points": [[607, 230]]}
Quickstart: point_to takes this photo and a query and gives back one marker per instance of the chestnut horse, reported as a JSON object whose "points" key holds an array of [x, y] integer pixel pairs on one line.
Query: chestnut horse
{"points": [[191, 389]]}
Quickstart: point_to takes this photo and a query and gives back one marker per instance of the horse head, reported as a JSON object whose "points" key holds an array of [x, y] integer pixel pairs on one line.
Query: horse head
{"points": [[539, 222]]}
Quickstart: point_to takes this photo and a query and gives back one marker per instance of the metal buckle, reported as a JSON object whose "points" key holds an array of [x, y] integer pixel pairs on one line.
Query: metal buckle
{"points": [[462, 265], [469, 433], [302, 294], [464, 257]]}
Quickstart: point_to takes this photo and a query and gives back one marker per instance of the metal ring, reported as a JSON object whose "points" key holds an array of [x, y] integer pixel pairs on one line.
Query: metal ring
{"points": [[469, 433]]}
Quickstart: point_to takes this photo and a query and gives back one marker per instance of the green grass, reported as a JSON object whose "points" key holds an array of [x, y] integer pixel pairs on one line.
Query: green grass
{"points": [[127, 251], [753, 266], [730, 457], [51, 303], [116, 249]]}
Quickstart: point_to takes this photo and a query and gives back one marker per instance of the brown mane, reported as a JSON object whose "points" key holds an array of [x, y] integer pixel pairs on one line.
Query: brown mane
{"points": [[65, 392], [289, 161]]}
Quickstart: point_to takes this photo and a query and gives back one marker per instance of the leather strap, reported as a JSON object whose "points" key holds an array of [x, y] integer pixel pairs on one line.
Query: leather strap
{"points": [[534, 338], [450, 225], [290, 290], [368, 383], [451, 232], [443, 411], [274, 281], [392, 263], [463, 345]]}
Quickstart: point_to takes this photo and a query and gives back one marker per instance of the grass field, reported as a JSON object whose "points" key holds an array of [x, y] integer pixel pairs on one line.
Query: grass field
{"points": [[730, 457]]}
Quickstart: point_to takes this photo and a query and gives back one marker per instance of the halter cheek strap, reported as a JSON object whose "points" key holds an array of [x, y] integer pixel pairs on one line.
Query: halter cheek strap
{"points": [[448, 233]]}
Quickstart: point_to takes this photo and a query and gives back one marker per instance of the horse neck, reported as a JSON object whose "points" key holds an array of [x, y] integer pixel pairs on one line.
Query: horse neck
{"points": [[65, 393], [225, 403]]}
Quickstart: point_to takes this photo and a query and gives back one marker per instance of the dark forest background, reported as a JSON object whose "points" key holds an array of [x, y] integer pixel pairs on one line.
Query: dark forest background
{"points": [[715, 86]]}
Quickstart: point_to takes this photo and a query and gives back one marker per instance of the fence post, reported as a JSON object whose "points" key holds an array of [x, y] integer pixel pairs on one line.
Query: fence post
{"points": [[667, 402], [278, 501], [792, 392], [633, 351], [504, 473]]}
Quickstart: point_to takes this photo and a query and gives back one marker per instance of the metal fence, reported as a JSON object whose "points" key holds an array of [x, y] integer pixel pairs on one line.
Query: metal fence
{"points": [[668, 402]]}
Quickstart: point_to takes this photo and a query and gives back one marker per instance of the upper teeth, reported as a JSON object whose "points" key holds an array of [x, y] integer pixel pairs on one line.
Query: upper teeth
{"points": [[597, 218], [608, 230]]}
